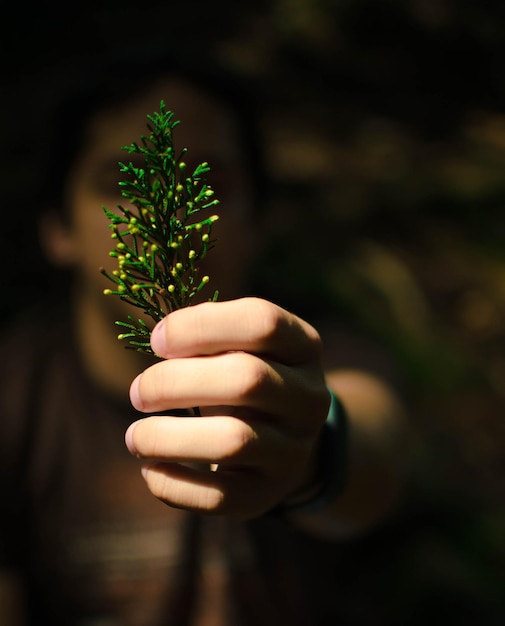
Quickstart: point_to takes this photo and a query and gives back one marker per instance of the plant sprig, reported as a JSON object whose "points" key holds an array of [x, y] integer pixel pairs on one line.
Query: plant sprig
{"points": [[161, 241]]}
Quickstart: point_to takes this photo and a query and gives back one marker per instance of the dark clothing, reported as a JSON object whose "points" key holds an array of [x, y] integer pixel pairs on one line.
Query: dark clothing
{"points": [[94, 547]]}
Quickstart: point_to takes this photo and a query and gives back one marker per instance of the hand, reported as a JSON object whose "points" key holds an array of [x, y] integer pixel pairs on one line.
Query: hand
{"points": [[254, 372]]}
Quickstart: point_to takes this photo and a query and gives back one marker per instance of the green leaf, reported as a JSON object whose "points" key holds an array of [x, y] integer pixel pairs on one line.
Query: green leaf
{"points": [[160, 242]]}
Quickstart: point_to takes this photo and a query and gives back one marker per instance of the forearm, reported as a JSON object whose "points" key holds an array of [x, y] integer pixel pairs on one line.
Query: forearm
{"points": [[377, 453]]}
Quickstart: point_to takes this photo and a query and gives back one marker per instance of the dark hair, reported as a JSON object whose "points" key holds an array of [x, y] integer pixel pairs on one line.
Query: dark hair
{"points": [[86, 86]]}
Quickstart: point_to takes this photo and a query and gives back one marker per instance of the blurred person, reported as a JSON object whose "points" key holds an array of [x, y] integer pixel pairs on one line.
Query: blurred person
{"points": [[261, 489]]}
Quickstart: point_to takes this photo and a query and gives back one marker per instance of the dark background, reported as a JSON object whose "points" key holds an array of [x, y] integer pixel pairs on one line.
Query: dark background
{"points": [[385, 128]]}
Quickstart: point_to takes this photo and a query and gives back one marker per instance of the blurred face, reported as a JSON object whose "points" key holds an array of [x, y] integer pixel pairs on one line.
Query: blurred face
{"points": [[207, 129]]}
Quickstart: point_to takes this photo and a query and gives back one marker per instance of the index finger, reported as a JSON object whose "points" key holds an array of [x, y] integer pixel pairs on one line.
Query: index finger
{"points": [[248, 324]]}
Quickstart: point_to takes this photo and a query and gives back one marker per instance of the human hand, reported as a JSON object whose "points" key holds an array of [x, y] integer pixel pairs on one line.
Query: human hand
{"points": [[254, 372]]}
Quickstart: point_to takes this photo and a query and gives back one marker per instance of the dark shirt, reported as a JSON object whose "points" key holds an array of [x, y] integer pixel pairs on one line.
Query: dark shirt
{"points": [[95, 548]]}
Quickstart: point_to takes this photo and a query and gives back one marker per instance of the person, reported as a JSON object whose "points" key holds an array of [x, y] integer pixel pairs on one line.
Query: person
{"points": [[261, 488]]}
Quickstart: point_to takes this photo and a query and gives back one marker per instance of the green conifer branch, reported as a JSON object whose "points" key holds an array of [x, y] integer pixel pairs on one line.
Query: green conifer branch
{"points": [[160, 242]]}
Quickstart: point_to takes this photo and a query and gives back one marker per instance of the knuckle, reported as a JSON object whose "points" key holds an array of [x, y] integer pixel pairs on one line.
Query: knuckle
{"points": [[252, 375], [315, 341], [271, 324], [269, 316], [238, 438]]}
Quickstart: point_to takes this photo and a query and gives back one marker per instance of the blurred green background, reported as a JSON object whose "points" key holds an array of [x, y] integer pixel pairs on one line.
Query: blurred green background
{"points": [[385, 130]]}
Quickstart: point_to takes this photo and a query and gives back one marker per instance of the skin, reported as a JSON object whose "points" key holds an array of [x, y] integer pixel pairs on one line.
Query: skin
{"points": [[253, 369]]}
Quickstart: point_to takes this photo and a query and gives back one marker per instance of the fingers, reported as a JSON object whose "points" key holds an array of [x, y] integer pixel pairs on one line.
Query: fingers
{"points": [[261, 366], [217, 439], [203, 381], [232, 379], [251, 463], [248, 324], [185, 487], [255, 466], [212, 492]]}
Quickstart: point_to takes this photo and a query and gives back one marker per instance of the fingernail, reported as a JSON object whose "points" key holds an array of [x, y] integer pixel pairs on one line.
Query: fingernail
{"points": [[158, 340], [135, 393], [128, 439]]}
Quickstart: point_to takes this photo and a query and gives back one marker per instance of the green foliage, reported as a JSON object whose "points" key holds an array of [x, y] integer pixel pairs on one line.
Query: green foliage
{"points": [[161, 239]]}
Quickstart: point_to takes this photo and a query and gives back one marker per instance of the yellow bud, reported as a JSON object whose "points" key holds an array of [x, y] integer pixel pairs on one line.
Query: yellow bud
{"points": [[171, 288]]}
